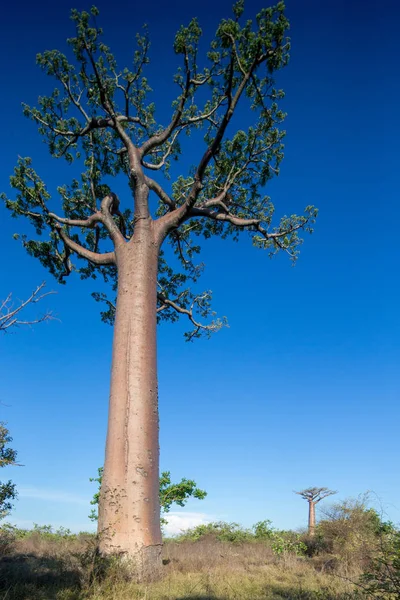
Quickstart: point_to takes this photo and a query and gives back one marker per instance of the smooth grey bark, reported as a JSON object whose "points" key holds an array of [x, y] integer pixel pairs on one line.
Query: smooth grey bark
{"points": [[129, 509]]}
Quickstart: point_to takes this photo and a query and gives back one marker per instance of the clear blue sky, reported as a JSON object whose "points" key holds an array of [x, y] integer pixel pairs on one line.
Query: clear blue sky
{"points": [[303, 388]]}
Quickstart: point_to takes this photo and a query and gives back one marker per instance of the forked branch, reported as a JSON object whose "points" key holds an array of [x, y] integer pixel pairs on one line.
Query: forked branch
{"points": [[165, 303], [10, 316]]}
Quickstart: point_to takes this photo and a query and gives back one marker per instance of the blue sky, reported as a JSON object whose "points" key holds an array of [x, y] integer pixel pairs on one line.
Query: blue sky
{"points": [[303, 388]]}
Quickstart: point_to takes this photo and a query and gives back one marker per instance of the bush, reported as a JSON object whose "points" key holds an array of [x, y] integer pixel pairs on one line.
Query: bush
{"points": [[382, 580], [7, 541], [263, 530], [221, 531], [351, 532], [43, 531], [314, 544], [281, 542]]}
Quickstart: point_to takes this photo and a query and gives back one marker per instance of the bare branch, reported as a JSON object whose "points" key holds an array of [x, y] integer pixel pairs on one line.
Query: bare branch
{"points": [[89, 223], [163, 196], [159, 138], [158, 166], [9, 316], [109, 207]]}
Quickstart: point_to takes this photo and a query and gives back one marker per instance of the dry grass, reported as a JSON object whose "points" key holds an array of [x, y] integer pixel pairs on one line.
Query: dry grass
{"points": [[41, 569]]}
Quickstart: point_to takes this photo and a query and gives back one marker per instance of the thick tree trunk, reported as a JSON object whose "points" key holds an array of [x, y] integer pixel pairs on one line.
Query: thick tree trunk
{"points": [[311, 518], [129, 510]]}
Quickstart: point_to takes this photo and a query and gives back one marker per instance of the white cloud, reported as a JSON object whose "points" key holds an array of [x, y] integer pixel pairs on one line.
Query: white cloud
{"points": [[181, 521], [52, 495]]}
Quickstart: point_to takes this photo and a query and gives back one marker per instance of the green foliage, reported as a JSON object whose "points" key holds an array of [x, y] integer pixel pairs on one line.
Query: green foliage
{"points": [[96, 496], [382, 580], [47, 532], [223, 532], [177, 493], [263, 530], [352, 532], [280, 542], [8, 457], [102, 116], [170, 493]]}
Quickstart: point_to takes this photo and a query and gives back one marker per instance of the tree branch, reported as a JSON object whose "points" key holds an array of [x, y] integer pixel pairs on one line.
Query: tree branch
{"points": [[160, 138], [173, 220], [163, 196], [166, 303], [241, 222], [9, 316], [106, 258], [158, 166]]}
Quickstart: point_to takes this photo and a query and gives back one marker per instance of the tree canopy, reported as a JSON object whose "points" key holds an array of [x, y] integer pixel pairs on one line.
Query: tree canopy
{"points": [[105, 117], [315, 494]]}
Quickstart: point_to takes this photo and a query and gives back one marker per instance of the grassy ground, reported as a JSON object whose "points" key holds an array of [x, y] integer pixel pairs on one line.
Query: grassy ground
{"points": [[37, 568]]}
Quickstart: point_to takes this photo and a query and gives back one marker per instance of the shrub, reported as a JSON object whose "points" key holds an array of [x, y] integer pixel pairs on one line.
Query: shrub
{"points": [[263, 530], [223, 532], [351, 532], [7, 541], [382, 580], [281, 542]]}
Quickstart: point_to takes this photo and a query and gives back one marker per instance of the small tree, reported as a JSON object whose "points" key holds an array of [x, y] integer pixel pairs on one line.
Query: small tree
{"points": [[170, 493], [7, 457], [314, 495], [10, 315], [101, 115], [382, 579], [353, 531]]}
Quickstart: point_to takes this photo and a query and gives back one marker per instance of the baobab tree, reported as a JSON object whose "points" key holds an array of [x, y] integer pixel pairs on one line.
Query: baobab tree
{"points": [[10, 314], [314, 495], [102, 115]]}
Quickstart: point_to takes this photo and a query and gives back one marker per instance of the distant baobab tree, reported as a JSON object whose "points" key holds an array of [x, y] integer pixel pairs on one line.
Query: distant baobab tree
{"points": [[313, 495], [10, 315]]}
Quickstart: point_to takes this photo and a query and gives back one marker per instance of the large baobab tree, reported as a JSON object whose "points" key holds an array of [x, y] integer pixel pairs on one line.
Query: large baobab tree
{"points": [[313, 495], [101, 115]]}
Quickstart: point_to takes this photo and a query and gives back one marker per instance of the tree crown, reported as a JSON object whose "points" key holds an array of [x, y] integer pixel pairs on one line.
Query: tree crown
{"points": [[103, 117], [315, 494]]}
